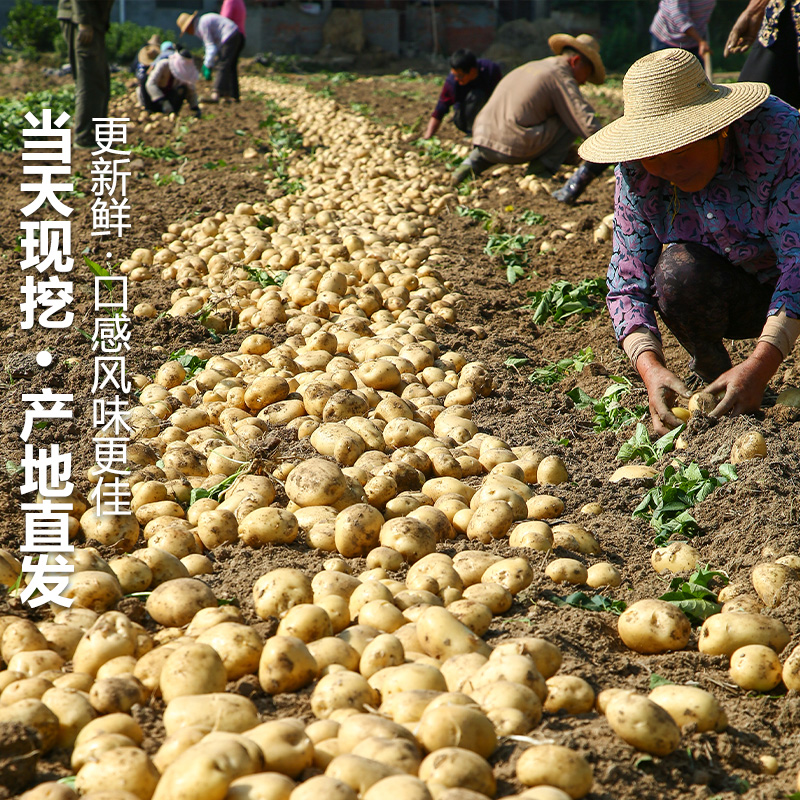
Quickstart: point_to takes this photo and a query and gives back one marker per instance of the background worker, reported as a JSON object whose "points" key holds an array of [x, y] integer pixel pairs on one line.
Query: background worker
{"points": [[684, 24], [537, 110], [169, 82], [466, 89], [770, 29], [223, 42], [84, 24], [705, 229], [236, 11]]}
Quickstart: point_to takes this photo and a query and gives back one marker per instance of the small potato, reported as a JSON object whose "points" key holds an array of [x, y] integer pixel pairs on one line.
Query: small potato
{"points": [[342, 689], [704, 402], [643, 724], [174, 603], [566, 570], [755, 667], [654, 626], [544, 506], [455, 767], [721, 634], [123, 769], [675, 557], [285, 665], [575, 538], [791, 669], [748, 446], [603, 574], [690, 705], [568, 693], [456, 726], [534, 534], [558, 766], [774, 583], [551, 471]]}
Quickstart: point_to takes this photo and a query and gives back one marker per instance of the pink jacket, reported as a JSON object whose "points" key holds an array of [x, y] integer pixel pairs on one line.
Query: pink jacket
{"points": [[235, 10]]}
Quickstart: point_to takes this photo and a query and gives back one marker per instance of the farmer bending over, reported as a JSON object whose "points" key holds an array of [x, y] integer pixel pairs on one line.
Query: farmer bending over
{"points": [[536, 112], [168, 82], [705, 229], [467, 88]]}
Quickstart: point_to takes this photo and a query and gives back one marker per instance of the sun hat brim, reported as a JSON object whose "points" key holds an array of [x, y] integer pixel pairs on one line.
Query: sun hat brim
{"points": [[627, 139], [558, 41], [187, 22]]}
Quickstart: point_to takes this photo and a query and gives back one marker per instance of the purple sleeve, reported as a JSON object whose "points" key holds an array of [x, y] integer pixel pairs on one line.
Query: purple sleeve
{"points": [[495, 74], [636, 252], [446, 98], [782, 230], [677, 11]]}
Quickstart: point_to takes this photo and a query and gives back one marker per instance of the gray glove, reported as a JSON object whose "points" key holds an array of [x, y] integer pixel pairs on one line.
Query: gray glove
{"points": [[166, 106]]}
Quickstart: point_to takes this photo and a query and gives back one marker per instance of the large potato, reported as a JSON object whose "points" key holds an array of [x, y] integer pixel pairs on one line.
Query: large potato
{"points": [[284, 744], [456, 726], [556, 765], [357, 530], [342, 689], [262, 786], [122, 769], [268, 526], [690, 705], [175, 602], [278, 590], [568, 693], [211, 712], [755, 667], [112, 635], [285, 665], [192, 670], [455, 767], [643, 724], [238, 645], [315, 482], [654, 626], [357, 772], [721, 634], [442, 635], [774, 583]]}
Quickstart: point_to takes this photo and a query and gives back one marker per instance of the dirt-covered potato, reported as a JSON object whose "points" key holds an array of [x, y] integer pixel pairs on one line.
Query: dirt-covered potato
{"points": [[112, 635], [193, 669], [569, 693], [285, 665], [442, 635], [721, 634], [748, 446], [455, 767], [558, 766], [238, 645], [567, 570], [689, 705], [675, 557], [654, 626], [315, 482], [175, 602], [643, 724], [342, 689], [755, 667], [278, 590], [456, 726], [774, 582], [124, 768], [269, 525]]}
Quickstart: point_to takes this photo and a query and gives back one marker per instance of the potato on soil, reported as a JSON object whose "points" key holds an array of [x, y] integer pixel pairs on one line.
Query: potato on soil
{"points": [[558, 766], [755, 667], [774, 583], [211, 712], [175, 602], [456, 726], [566, 570], [285, 665], [643, 724], [442, 635], [315, 482], [124, 768], [721, 634], [654, 626], [748, 446], [455, 767], [690, 705]]}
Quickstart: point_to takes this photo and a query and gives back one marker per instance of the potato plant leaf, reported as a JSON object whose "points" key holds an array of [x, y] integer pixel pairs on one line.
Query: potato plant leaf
{"points": [[265, 278], [608, 411], [191, 363], [658, 680], [640, 445], [216, 491], [553, 373], [562, 300], [594, 602]]}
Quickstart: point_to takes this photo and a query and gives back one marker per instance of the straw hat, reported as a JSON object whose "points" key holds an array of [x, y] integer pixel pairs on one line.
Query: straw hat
{"points": [[185, 20], [586, 45], [669, 102], [148, 54], [155, 39]]}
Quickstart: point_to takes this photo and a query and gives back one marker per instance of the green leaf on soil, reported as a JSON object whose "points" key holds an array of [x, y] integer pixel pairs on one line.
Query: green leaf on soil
{"points": [[595, 602], [657, 680], [191, 363], [12, 468], [553, 373], [216, 491], [562, 300], [608, 411]]}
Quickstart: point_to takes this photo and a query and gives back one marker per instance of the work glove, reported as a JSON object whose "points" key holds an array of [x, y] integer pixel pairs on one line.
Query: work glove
{"points": [[197, 112], [85, 33], [206, 73], [166, 107]]}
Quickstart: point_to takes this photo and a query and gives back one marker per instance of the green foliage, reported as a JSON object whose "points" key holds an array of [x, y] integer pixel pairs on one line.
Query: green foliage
{"points": [[264, 277], [101, 272], [562, 300], [12, 113], [594, 602], [553, 373], [529, 217], [608, 412], [192, 364], [656, 680], [477, 214], [284, 139], [339, 78], [640, 446], [510, 248], [682, 487], [164, 180], [218, 164], [12, 468], [125, 39], [433, 149], [215, 491], [693, 596], [32, 28], [165, 153]]}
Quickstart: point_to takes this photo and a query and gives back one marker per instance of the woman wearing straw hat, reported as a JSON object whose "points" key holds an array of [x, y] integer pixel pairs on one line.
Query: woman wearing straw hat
{"points": [[169, 82], [706, 228]]}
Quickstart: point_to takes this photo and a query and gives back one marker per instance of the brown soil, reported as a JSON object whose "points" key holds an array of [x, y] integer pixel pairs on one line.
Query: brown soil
{"points": [[751, 520]]}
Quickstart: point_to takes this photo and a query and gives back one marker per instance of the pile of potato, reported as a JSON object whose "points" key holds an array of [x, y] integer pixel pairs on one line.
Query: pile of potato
{"points": [[407, 695]]}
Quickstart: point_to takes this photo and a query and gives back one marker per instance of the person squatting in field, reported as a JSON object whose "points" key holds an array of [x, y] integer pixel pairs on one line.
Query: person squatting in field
{"points": [[705, 229], [167, 78]]}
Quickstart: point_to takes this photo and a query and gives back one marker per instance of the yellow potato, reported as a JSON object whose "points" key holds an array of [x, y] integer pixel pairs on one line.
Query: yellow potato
{"points": [[654, 626], [643, 724], [558, 766]]}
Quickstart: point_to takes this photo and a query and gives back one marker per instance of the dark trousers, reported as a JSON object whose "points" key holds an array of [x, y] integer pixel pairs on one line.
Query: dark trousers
{"points": [[226, 76], [465, 111], [703, 299], [174, 94], [92, 81], [779, 65]]}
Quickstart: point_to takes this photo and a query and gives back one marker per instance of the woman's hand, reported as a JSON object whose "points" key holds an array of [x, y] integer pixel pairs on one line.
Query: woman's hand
{"points": [[663, 390], [744, 384], [744, 31]]}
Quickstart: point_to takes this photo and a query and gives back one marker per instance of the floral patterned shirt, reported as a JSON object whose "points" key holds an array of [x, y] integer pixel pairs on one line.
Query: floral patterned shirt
{"points": [[749, 213], [768, 34]]}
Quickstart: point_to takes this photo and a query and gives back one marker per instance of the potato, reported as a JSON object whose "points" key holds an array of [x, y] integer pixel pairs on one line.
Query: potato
{"points": [[505, 694], [566, 570], [381, 614], [407, 787], [212, 712], [748, 446], [35, 662], [704, 402], [514, 574], [689, 705], [493, 595], [555, 765], [278, 590], [546, 656], [634, 472], [755, 667], [238, 645], [654, 626], [52, 790], [456, 726], [791, 669], [92, 748], [111, 635], [721, 634], [122, 769], [773, 583], [357, 772], [194, 669], [551, 471], [174, 603], [455, 767], [408, 677], [132, 573], [285, 665], [175, 744], [410, 537], [118, 693], [307, 622], [122, 724], [262, 786], [315, 482], [675, 557], [544, 506], [93, 589], [508, 667], [603, 574], [401, 754], [475, 615], [442, 635], [535, 535], [22, 688], [330, 650], [358, 727], [322, 786], [342, 689], [284, 744], [568, 693], [357, 529], [268, 526], [643, 724], [471, 564], [491, 520], [36, 715]]}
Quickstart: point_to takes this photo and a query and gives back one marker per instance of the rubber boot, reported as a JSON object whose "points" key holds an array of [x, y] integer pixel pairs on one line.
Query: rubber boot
{"points": [[577, 182]]}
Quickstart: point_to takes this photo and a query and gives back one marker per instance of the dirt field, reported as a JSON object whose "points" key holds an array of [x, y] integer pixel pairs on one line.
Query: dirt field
{"points": [[751, 520]]}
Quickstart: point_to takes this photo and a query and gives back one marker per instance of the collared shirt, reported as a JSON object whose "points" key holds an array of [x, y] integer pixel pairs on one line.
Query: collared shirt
{"points": [[235, 10], [213, 30], [749, 213], [675, 17], [96, 13], [768, 34], [524, 99], [489, 75]]}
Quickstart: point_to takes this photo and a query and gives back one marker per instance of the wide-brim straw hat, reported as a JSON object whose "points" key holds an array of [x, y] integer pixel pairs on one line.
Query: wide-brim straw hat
{"points": [[669, 103], [148, 54], [182, 66], [587, 46], [185, 20], [155, 39]]}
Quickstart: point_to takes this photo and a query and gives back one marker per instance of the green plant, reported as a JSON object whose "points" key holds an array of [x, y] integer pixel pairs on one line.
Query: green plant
{"points": [[594, 602], [477, 214], [218, 488], [164, 180], [433, 149], [657, 680], [12, 468], [608, 412], [215, 164], [640, 446], [682, 487], [191, 363], [12, 113], [511, 250], [337, 78], [553, 373], [562, 300], [124, 39], [266, 278], [529, 217], [165, 153], [693, 596], [32, 28]]}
